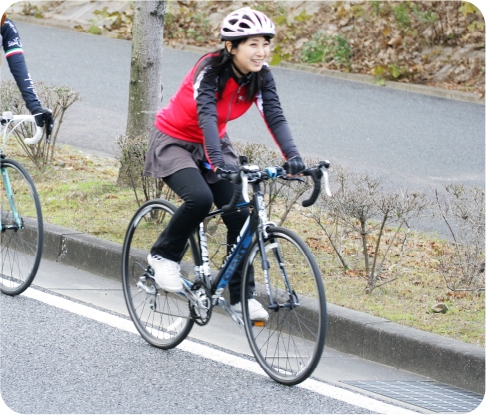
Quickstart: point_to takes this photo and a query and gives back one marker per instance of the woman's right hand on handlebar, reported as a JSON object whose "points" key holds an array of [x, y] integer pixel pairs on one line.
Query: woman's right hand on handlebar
{"points": [[227, 171]]}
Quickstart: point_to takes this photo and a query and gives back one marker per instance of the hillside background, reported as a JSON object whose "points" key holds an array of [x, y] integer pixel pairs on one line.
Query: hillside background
{"points": [[435, 43]]}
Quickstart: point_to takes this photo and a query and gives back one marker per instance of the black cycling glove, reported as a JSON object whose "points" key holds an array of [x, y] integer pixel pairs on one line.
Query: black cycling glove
{"points": [[227, 171], [44, 116], [294, 165]]}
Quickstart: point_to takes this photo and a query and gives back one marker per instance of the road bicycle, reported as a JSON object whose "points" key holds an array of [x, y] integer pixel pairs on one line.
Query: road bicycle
{"points": [[288, 343], [21, 226]]}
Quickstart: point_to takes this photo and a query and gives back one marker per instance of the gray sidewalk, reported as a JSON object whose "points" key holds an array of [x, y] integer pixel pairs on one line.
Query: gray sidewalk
{"points": [[372, 338]]}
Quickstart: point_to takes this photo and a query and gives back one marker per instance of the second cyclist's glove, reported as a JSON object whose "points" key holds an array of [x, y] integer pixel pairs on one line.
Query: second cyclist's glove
{"points": [[227, 171], [44, 116], [294, 165]]}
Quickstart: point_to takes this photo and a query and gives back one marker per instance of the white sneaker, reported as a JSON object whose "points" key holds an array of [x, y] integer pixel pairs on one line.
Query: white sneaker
{"points": [[166, 273], [257, 312]]}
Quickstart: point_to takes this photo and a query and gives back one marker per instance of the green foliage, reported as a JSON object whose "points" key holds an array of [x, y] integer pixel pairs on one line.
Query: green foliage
{"points": [[106, 21], [427, 17], [30, 9], [402, 14], [391, 71], [276, 56], [95, 30], [376, 6], [289, 26], [470, 8], [324, 48], [467, 8]]}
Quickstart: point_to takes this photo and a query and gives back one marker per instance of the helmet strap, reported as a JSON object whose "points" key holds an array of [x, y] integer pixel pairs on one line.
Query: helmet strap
{"points": [[237, 70]]}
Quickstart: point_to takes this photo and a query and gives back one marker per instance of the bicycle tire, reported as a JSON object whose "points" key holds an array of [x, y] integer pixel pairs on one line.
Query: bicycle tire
{"points": [[21, 248], [164, 319], [289, 344]]}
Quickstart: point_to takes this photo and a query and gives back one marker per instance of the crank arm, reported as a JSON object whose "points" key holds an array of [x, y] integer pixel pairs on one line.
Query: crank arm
{"points": [[222, 303]]}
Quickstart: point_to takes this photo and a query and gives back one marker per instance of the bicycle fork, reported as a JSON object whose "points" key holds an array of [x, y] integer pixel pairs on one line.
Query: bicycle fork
{"points": [[8, 190], [293, 298]]}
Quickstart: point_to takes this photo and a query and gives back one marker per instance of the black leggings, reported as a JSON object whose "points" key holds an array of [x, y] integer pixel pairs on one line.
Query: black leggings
{"points": [[198, 196]]}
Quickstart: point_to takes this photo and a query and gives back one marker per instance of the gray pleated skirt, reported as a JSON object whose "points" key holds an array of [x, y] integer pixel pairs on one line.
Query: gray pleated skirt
{"points": [[167, 155]]}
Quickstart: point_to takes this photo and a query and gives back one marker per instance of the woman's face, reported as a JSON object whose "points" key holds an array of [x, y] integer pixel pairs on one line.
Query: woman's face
{"points": [[250, 54]]}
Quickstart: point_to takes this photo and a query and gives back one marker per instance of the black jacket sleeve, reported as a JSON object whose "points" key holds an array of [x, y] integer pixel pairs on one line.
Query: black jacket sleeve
{"points": [[268, 103], [15, 57], [205, 91]]}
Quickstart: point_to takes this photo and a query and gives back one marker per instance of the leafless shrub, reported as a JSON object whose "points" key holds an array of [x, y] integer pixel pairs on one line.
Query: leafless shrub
{"points": [[59, 99], [361, 211], [132, 159], [462, 209], [284, 193]]}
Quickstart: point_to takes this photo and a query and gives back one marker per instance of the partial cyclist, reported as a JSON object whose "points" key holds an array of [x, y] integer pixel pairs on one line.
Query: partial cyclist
{"points": [[14, 53], [191, 151]]}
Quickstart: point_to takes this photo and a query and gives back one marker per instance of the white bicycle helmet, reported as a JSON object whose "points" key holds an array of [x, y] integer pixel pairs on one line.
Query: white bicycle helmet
{"points": [[246, 22]]}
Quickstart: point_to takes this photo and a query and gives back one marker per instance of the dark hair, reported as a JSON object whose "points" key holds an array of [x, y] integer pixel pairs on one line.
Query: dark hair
{"points": [[218, 62]]}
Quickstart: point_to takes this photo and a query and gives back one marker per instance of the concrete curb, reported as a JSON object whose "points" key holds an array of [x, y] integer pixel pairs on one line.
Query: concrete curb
{"points": [[367, 79], [373, 338]]}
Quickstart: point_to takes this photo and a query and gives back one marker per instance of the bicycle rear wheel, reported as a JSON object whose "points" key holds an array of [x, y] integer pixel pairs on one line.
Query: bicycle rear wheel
{"points": [[289, 344], [22, 231], [163, 319]]}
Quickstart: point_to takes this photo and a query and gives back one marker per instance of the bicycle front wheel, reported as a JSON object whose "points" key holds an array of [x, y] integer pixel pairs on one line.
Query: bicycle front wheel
{"points": [[22, 231], [289, 343], [163, 319]]}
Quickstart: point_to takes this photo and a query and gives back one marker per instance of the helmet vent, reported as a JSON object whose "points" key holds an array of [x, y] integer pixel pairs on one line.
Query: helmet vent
{"points": [[246, 22]]}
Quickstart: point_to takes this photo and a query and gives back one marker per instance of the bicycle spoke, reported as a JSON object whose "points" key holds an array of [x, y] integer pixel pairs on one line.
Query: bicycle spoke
{"points": [[163, 319], [289, 345], [21, 248]]}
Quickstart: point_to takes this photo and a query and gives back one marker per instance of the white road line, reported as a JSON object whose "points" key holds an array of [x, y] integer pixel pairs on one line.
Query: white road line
{"points": [[216, 355]]}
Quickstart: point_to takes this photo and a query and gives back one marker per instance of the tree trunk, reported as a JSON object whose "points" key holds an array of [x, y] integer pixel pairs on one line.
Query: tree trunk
{"points": [[145, 93], [146, 65]]}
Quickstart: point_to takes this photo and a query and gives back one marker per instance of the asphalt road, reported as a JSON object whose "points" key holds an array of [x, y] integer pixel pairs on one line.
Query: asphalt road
{"points": [[55, 361], [409, 140]]}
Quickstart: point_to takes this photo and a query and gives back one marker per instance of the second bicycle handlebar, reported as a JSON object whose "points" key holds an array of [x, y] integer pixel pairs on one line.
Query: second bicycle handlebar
{"points": [[250, 174], [7, 118]]}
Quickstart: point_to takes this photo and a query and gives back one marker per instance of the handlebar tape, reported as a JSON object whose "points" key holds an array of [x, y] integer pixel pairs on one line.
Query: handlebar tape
{"points": [[316, 176]]}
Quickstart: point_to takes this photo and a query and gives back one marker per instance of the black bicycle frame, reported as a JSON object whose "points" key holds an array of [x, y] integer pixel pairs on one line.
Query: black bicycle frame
{"points": [[240, 250]]}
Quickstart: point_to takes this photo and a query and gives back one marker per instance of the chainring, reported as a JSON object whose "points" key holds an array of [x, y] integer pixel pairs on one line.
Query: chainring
{"points": [[198, 319]]}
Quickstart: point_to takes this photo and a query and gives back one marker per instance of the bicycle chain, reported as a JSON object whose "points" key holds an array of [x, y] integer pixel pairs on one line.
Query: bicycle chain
{"points": [[198, 319]]}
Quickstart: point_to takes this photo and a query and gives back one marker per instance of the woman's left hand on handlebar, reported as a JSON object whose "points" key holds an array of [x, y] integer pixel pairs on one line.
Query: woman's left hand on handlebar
{"points": [[44, 116], [294, 166]]}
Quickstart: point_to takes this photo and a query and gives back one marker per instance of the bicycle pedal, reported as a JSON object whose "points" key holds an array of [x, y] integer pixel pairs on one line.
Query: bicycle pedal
{"points": [[258, 323]]}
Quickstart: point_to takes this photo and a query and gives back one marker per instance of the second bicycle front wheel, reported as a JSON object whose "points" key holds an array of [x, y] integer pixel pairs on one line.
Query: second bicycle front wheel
{"points": [[163, 319], [22, 230], [289, 343]]}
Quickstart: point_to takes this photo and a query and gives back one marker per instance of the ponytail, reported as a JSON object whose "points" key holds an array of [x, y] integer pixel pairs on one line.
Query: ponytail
{"points": [[4, 17]]}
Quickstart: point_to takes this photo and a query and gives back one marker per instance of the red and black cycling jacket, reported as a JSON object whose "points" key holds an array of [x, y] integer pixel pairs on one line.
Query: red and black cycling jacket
{"points": [[197, 113], [15, 57]]}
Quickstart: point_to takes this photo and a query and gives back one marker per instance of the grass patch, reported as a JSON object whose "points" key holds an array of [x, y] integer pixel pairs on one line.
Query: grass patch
{"points": [[83, 195]]}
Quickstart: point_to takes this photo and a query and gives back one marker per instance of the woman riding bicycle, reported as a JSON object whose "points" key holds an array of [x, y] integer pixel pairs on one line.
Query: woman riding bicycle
{"points": [[10, 40], [190, 149]]}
